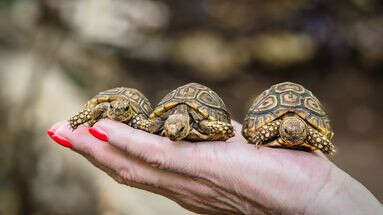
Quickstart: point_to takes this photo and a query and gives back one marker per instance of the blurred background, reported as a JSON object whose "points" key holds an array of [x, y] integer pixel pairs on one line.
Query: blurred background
{"points": [[55, 54]]}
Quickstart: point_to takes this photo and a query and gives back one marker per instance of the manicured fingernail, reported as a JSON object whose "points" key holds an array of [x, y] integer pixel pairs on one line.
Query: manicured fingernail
{"points": [[50, 133], [98, 133], [62, 141]]}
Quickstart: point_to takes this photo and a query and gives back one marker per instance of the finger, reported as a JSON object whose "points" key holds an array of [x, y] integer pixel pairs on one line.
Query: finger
{"points": [[134, 172], [53, 128], [182, 157], [117, 163], [105, 155]]}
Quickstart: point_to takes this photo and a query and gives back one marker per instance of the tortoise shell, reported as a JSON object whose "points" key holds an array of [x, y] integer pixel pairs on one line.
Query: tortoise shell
{"points": [[288, 97], [201, 98], [139, 103]]}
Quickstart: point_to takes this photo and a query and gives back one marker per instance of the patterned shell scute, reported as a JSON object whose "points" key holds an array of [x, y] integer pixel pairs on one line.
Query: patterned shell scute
{"points": [[136, 98], [196, 96], [288, 97]]}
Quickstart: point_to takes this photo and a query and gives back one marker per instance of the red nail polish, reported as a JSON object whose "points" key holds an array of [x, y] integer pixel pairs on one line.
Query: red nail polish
{"points": [[62, 141], [50, 132], [98, 133]]}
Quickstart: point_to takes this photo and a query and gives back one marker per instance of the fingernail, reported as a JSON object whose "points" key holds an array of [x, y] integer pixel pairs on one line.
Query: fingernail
{"points": [[98, 133], [62, 141], [50, 132]]}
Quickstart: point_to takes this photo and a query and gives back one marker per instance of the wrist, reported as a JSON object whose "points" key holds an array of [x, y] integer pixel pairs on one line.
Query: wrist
{"points": [[344, 195]]}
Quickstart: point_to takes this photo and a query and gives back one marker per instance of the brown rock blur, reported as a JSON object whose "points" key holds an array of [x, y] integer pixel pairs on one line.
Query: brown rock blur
{"points": [[54, 54]]}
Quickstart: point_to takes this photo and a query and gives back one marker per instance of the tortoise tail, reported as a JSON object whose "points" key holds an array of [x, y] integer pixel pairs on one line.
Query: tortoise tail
{"points": [[80, 118]]}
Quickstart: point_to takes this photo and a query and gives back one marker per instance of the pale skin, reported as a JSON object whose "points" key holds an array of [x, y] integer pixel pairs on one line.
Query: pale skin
{"points": [[230, 177]]}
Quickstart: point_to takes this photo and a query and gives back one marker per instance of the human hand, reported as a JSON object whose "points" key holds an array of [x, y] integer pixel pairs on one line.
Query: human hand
{"points": [[230, 177]]}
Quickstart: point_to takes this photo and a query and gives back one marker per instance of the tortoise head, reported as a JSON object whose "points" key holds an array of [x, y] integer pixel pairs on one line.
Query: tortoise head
{"points": [[177, 126], [120, 110], [293, 130]]}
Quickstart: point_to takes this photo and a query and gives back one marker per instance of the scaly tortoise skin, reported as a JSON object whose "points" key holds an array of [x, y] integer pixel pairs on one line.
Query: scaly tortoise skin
{"points": [[288, 115], [192, 112], [122, 104]]}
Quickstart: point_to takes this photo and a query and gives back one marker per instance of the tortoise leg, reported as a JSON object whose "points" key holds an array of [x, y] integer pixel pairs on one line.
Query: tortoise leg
{"points": [[307, 147], [89, 115], [217, 130], [79, 118], [277, 143], [97, 113], [320, 141], [197, 136], [102, 99], [265, 133], [197, 117], [141, 122], [93, 111]]}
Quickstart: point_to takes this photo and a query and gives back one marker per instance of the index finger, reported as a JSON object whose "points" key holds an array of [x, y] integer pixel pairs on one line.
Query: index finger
{"points": [[183, 157]]}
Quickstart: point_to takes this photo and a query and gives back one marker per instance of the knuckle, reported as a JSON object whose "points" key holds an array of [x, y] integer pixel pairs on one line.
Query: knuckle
{"points": [[130, 177], [86, 149], [95, 151], [157, 155], [157, 160], [125, 175]]}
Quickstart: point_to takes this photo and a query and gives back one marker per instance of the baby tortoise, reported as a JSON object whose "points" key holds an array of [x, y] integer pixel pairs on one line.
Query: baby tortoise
{"points": [[288, 115], [193, 112], [121, 104]]}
